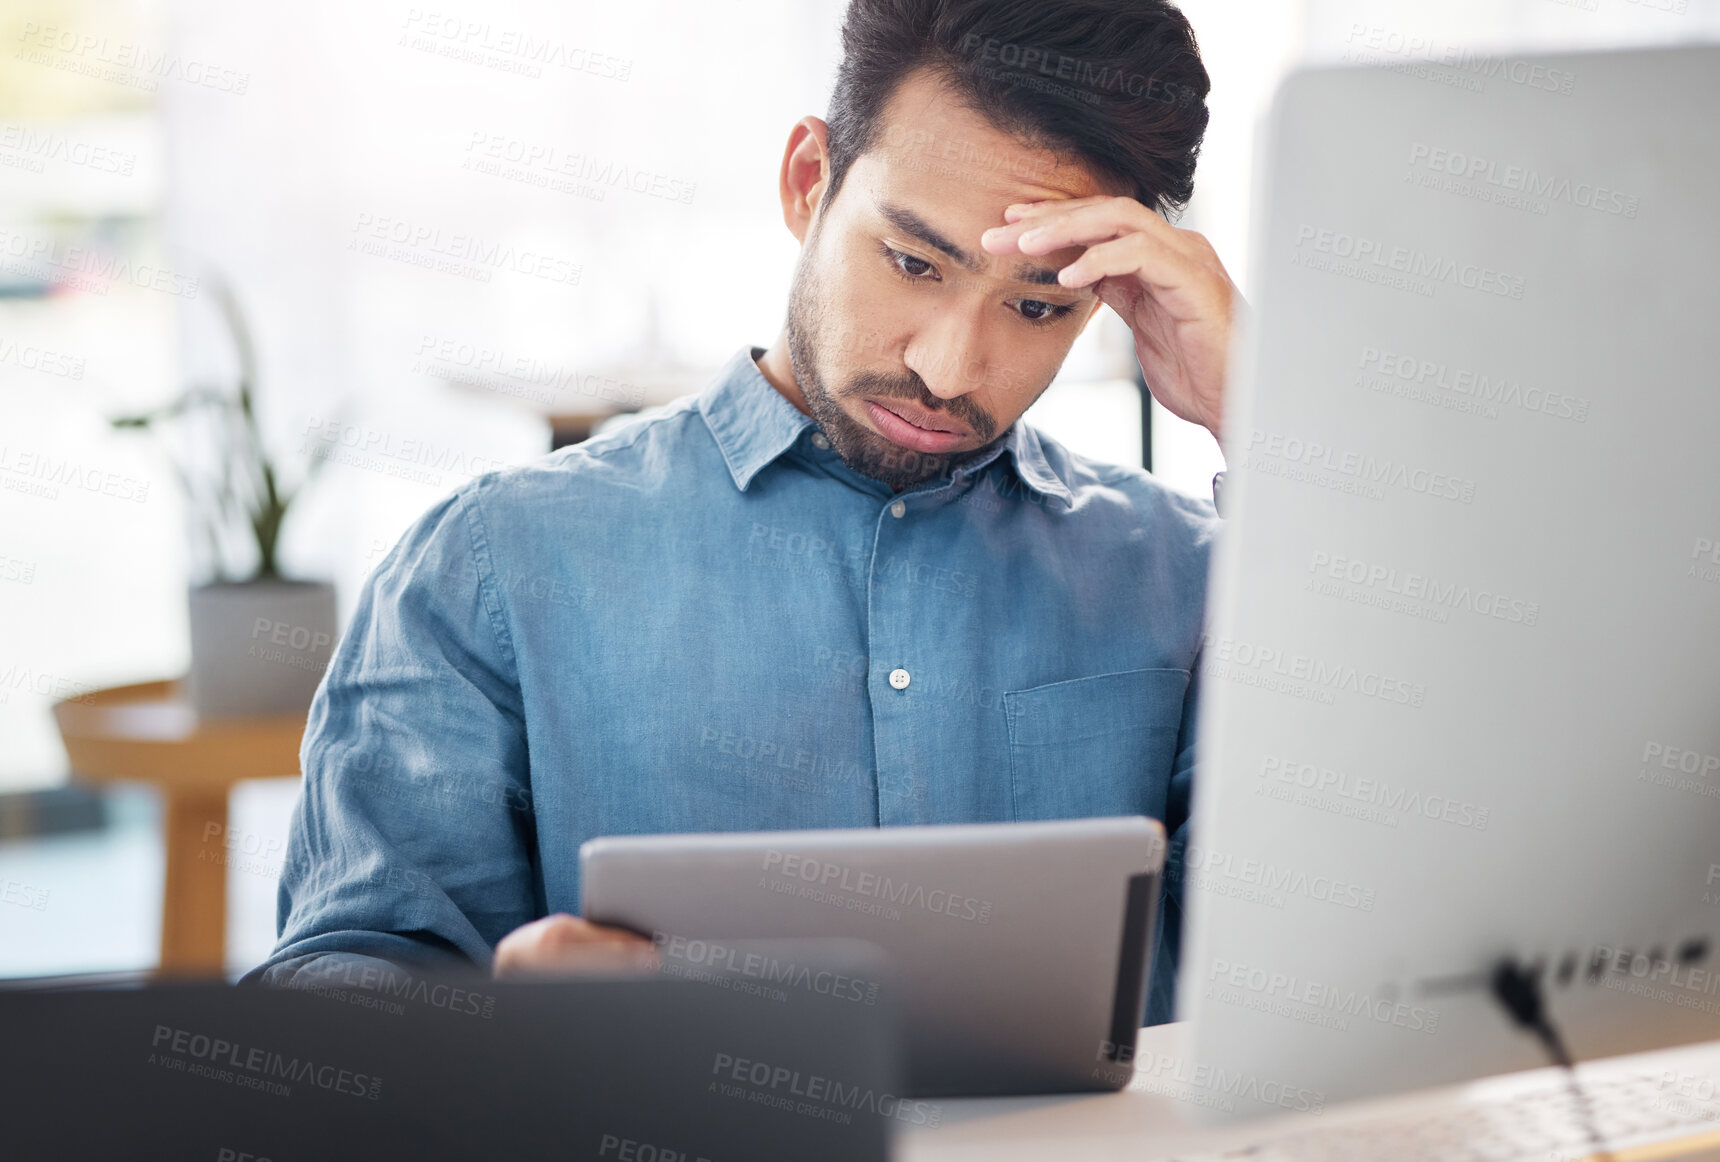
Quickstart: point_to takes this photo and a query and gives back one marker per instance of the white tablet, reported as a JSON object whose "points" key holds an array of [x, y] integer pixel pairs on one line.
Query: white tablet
{"points": [[1019, 950]]}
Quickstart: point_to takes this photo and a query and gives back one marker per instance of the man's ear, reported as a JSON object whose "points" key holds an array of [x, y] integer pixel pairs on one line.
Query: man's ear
{"points": [[805, 174]]}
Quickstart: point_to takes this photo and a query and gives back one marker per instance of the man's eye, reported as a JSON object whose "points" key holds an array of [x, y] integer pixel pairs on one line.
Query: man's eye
{"points": [[1038, 311], [915, 268]]}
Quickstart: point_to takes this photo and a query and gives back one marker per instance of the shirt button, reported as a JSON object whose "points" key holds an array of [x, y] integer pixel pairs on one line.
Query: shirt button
{"points": [[821, 441], [899, 679], [896, 510]]}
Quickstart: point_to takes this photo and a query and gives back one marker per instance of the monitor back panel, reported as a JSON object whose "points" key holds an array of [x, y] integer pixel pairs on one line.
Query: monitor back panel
{"points": [[1461, 691]]}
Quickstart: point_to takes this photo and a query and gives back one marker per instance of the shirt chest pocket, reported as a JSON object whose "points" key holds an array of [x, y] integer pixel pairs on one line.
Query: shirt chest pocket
{"points": [[1102, 745]]}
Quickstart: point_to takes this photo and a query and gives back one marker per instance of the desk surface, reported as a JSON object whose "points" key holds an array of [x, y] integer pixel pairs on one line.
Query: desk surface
{"points": [[1155, 1117]]}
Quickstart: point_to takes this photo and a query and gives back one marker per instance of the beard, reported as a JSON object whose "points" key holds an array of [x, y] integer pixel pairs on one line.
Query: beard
{"points": [[862, 449]]}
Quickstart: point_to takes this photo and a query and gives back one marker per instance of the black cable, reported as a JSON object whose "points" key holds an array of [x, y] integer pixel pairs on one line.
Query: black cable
{"points": [[1146, 416], [1518, 991]]}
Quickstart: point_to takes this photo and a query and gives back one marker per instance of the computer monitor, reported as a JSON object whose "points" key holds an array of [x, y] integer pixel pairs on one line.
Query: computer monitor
{"points": [[1461, 685]]}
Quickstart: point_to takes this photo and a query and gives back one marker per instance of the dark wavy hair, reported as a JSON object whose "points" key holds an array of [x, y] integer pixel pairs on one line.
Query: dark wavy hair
{"points": [[1116, 85]]}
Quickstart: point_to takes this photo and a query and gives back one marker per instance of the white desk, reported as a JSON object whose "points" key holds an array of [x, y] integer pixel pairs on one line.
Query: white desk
{"points": [[1154, 1118]]}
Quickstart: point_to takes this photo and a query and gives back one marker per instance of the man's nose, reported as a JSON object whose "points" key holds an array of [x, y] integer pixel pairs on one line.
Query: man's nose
{"points": [[948, 354]]}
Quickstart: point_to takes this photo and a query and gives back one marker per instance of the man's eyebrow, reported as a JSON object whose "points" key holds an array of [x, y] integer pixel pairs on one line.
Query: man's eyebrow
{"points": [[918, 228]]}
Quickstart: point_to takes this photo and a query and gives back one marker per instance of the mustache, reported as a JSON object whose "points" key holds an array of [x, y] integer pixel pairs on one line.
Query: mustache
{"points": [[912, 387]]}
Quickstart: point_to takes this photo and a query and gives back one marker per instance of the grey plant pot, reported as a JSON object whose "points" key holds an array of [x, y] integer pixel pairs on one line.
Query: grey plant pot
{"points": [[259, 647]]}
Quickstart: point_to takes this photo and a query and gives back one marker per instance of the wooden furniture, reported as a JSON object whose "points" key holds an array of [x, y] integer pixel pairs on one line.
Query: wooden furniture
{"points": [[574, 427], [149, 733]]}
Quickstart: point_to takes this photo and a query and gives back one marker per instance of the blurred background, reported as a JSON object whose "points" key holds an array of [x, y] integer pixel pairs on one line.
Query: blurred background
{"points": [[378, 250]]}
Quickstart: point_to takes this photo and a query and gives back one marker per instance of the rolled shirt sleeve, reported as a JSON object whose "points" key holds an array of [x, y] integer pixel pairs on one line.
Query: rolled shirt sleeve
{"points": [[411, 843]]}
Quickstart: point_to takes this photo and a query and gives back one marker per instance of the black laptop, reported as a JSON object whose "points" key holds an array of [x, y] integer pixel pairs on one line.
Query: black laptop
{"points": [[631, 1069]]}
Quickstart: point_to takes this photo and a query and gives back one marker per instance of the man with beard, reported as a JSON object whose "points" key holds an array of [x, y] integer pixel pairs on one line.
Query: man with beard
{"points": [[844, 586]]}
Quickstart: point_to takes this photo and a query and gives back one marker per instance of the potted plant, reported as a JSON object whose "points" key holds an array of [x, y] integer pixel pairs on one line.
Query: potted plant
{"points": [[260, 640]]}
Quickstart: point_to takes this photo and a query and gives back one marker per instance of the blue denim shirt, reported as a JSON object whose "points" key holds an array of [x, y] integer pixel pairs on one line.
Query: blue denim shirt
{"points": [[691, 624]]}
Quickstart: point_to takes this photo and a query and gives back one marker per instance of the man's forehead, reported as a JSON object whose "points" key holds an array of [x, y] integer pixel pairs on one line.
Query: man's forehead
{"points": [[925, 128]]}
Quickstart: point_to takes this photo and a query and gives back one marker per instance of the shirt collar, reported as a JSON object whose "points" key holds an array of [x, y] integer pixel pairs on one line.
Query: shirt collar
{"points": [[1026, 448], [753, 424]]}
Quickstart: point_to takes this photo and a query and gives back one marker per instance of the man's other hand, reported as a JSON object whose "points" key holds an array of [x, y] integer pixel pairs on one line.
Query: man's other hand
{"points": [[561, 944]]}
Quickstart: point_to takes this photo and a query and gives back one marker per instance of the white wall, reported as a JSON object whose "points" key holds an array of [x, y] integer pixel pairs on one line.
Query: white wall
{"points": [[361, 114]]}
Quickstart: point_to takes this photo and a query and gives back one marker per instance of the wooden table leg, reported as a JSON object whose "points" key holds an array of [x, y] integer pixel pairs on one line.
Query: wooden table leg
{"points": [[194, 899]]}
